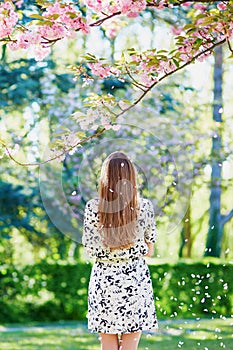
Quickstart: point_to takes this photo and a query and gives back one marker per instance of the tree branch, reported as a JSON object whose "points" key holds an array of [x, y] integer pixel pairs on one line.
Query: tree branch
{"points": [[118, 13], [229, 45], [226, 218], [170, 73], [63, 152], [180, 2], [119, 114], [101, 20], [136, 83]]}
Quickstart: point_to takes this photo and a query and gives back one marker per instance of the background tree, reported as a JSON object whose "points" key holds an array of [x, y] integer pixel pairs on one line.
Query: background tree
{"points": [[216, 219], [104, 91]]}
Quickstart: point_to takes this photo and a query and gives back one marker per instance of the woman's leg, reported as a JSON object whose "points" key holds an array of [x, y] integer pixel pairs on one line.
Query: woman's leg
{"points": [[130, 341], [109, 341]]}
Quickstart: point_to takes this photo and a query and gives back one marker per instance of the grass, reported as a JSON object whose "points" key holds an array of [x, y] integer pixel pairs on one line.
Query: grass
{"points": [[178, 334]]}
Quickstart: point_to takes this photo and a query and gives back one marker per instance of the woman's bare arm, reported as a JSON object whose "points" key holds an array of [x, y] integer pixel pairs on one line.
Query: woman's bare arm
{"points": [[150, 249]]}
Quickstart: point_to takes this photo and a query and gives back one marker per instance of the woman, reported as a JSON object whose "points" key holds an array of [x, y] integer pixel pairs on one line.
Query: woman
{"points": [[119, 230]]}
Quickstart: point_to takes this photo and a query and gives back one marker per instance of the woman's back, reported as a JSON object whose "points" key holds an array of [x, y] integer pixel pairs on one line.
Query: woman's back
{"points": [[145, 230]]}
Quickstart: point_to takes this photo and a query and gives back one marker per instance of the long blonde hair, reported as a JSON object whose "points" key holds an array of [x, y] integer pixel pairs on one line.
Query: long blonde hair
{"points": [[118, 201]]}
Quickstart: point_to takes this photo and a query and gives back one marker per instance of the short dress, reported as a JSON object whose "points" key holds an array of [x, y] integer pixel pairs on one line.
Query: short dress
{"points": [[120, 293]]}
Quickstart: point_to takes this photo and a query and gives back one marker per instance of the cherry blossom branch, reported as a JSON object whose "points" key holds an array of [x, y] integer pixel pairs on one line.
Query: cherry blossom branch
{"points": [[102, 20], [123, 111], [228, 41], [55, 157], [229, 45], [181, 2], [134, 81], [170, 73], [115, 14], [93, 24]]}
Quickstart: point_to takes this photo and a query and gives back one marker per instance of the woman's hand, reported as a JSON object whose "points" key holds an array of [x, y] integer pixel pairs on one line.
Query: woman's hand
{"points": [[88, 251], [150, 248]]}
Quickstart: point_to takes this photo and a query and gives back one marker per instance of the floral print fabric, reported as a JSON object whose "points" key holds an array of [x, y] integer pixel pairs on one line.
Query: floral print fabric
{"points": [[120, 295]]}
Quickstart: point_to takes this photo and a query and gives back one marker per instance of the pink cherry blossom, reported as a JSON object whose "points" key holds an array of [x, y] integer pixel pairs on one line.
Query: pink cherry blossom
{"points": [[203, 57], [187, 48], [220, 27], [230, 30], [169, 67], [130, 8], [85, 28], [107, 126], [146, 79], [53, 32], [40, 52], [12, 151], [176, 30], [19, 3], [27, 39], [161, 5], [8, 19], [135, 58], [221, 6], [200, 7], [98, 69], [13, 45], [65, 20], [186, 4], [96, 5], [116, 127], [111, 32], [185, 57]]}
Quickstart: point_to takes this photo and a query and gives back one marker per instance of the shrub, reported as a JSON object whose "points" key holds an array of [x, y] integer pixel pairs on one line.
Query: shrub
{"points": [[46, 292]]}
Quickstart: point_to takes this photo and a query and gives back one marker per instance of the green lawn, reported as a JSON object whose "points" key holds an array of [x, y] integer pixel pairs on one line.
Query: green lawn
{"points": [[186, 335]]}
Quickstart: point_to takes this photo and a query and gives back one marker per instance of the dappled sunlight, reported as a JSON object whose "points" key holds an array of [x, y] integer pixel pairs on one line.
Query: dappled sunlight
{"points": [[83, 79], [204, 334]]}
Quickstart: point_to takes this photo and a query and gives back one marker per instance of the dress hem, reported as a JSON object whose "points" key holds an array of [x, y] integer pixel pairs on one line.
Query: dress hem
{"points": [[142, 328]]}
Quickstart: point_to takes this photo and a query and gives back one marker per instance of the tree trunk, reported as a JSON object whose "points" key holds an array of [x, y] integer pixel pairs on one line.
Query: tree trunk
{"points": [[215, 231], [186, 238]]}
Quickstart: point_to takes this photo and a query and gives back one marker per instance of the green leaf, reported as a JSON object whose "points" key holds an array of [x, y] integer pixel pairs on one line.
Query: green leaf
{"points": [[42, 3], [161, 51], [64, 128], [126, 101], [214, 11], [81, 134], [176, 62], [36, 16], [90, 56], [2, 143], [72, 15], [43, 23], [54, 16], [131, 51], [113, 118], [78, 116], [123, 57]]}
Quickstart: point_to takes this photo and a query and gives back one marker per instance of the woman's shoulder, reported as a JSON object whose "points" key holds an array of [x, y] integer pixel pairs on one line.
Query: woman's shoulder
{"points": [[145, 202], [92, 203]]}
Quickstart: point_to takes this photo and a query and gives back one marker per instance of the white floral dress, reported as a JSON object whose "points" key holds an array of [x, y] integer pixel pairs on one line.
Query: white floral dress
{"points": [[120, 294]]}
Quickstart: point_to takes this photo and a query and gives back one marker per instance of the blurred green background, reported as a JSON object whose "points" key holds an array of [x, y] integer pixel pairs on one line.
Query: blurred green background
{"points": [[180, 139]]}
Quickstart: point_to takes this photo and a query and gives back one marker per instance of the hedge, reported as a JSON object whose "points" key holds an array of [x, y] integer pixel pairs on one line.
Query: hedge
{"points": [[46, 292]]}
